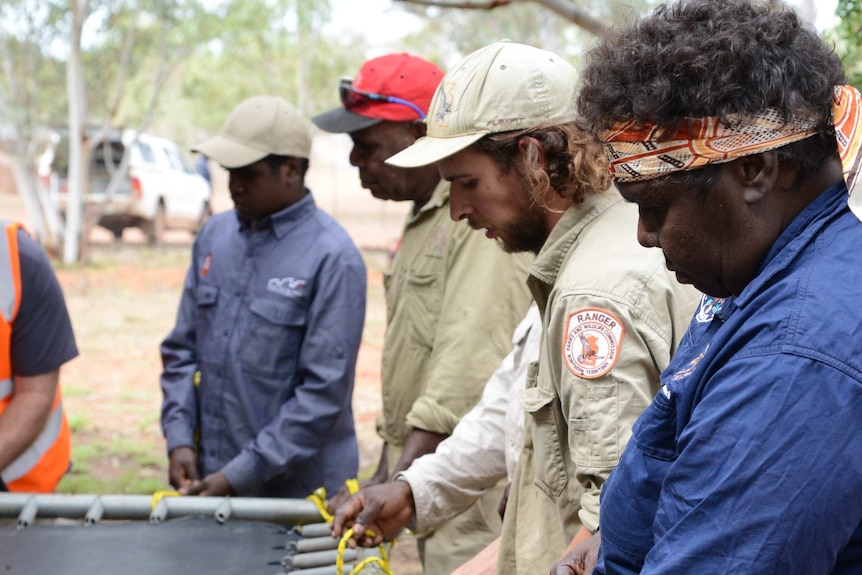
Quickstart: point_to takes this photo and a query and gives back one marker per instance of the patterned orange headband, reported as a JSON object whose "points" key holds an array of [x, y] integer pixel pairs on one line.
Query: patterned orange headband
{"points": [[636, 153]]}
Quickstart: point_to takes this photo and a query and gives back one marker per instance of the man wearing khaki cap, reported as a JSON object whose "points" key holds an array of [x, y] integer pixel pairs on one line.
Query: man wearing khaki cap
{"points": [[501, 131], [453, 299], [258, 370]]}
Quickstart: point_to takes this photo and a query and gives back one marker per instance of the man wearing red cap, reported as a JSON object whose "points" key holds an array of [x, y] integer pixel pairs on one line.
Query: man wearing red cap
{"points": [[453, 298]]}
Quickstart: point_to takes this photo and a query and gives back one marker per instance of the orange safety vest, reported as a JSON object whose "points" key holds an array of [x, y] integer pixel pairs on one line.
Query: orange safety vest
{"points": [[43, 463]]}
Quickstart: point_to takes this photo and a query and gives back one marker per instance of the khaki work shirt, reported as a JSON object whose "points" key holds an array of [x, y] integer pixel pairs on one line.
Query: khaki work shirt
{"points": [[453, 298], [612, 316]]}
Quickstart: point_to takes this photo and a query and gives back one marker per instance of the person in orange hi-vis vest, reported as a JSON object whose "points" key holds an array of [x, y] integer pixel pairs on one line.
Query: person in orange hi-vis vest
{"points": [[36, 338]]}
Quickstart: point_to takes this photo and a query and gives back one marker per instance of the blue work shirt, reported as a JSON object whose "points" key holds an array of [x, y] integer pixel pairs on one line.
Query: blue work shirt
{"points": [[272, 318], [749, 459]]}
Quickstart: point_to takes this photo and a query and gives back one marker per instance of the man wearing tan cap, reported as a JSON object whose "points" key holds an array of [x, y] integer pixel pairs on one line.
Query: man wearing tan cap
{"points": [[258, 371], [500, 129], [453, 299]]}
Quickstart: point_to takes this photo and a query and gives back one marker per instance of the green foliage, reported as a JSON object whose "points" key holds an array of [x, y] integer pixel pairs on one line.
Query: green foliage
{"points": [[192, 61], [261, 47], [31, 78], [848, 38]]}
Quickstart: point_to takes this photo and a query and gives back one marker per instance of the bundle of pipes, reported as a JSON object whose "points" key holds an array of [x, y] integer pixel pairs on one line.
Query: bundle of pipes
{"points": [[144, 535]]}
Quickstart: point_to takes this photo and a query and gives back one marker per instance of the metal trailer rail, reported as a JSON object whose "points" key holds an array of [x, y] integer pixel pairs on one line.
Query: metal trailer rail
{"points": [[94, 508], [144, 535]]}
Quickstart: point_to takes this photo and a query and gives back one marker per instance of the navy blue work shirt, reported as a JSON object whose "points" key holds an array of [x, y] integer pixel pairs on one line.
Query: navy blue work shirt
{"points": [[749, 460], [272, 318]]}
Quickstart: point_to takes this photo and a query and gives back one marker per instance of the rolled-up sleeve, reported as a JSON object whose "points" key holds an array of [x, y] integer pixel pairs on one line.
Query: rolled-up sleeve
{"points": [[485, 297]]}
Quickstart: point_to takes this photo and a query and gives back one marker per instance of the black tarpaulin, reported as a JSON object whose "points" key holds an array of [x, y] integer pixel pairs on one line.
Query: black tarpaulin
{"points": [[186, 545]]}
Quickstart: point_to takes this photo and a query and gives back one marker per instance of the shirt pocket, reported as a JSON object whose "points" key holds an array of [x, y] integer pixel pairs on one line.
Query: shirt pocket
{"points": [[425, 297], [206, 297], [273, 339], [542, 406], [594, 438], [654, 432]]}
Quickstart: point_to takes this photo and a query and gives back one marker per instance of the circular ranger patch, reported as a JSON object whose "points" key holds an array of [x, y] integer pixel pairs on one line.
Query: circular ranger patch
{"points": [[592, 344]]}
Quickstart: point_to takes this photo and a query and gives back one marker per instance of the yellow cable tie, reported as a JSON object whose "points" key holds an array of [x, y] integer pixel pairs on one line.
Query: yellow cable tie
{"points": [[159, 495], [352, 485]]}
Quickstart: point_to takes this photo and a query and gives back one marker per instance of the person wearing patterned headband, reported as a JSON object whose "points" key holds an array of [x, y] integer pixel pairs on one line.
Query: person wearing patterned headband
{"points": [[729, 124]]}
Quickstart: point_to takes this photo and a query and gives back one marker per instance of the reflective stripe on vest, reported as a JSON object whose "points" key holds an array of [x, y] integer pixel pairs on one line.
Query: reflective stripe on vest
{"points": [[7, 282], [8, 295], [37, 449]]}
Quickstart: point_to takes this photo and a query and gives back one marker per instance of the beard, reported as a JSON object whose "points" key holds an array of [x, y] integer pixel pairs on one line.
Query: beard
{"points": [[526, 233]]}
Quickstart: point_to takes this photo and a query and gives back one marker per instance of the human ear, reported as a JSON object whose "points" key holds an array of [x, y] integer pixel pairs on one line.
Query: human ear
{"points": [[757, 175], [531, 148], [291, 168]]}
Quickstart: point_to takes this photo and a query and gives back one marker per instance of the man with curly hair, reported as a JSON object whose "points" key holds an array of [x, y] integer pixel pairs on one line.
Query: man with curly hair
{"points": [[500, 130], [729, 124]]}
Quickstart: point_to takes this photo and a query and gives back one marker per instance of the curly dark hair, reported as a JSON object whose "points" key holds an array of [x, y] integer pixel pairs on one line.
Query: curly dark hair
{"points": [[575, 163], [698, 58]]}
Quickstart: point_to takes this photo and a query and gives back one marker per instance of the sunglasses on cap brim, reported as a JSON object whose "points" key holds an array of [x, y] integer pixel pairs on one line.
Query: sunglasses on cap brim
{"points": [[349, 94]]}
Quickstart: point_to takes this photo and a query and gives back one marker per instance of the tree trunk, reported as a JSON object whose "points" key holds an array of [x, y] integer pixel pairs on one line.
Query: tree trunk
{"points": [[78, 150]]}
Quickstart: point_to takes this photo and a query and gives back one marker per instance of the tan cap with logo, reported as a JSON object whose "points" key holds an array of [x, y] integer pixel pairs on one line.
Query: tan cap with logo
{"points": [[499, 88], [258, 127]]}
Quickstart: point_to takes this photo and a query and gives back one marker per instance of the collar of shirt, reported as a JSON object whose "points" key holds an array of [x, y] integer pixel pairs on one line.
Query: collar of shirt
{"points": [[283, 220], [555, 250], [831, 203], [438, 199]]}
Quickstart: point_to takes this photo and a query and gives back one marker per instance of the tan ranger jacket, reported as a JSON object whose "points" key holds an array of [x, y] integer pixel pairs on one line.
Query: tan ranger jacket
{"points": [[612, 316]]}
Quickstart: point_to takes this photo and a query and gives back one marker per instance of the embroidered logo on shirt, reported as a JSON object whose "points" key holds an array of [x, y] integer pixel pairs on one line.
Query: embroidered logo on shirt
{"points": [[205, 268], [709, 306], [286, 286], [690, 366], [435, 247], [591, 347]]}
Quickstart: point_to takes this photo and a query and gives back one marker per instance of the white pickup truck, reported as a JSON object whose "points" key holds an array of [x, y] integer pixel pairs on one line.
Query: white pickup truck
{"points": [[159, 190]]}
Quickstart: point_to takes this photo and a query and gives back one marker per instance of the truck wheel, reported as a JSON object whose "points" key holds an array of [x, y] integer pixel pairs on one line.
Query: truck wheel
{"points": [[155, 229]]}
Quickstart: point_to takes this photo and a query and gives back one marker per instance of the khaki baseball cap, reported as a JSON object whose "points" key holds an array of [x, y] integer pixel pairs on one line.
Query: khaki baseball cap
{"points": [[499, 88], [258, 127]]}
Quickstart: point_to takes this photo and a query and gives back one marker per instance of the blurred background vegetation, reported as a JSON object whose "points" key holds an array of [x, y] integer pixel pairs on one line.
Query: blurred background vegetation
{"points": [[187, 63], [175, 68]]}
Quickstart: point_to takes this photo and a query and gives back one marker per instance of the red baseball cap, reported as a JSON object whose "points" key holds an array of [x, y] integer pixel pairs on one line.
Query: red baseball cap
{"points": [[394, 87]]}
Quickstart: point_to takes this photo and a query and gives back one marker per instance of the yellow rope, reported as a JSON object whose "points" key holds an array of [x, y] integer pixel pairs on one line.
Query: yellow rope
{"points": [[319, 500], [382, 561]]}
